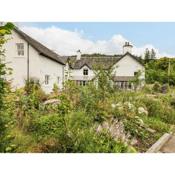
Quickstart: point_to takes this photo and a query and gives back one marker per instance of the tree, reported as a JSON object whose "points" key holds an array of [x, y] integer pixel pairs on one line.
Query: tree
{"points": [[160, 70], [153, 54], [4, 30], [104, 79], [136, 81], [147, 55]]}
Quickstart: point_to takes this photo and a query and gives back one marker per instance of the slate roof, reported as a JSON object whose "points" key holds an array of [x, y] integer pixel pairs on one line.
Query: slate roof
{"points": [[43, 50], [106, 61]]}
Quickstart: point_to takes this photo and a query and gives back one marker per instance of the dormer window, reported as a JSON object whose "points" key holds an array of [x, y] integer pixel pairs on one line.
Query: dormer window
{"points": [[85, 71], [20, 49]]}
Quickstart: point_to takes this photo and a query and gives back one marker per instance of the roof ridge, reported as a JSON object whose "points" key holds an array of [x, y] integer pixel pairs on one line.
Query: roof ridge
{"points": [[108, 61], [42, 49]]}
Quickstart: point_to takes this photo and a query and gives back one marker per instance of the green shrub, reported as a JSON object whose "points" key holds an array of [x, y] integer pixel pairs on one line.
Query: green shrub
{"points": [[159, 108], [135, 129], [48, 125], [4, 31], [157, 87], [34, 91], [65, 106], [172, 102], [157, 125], [74, 133], [147, 89]]}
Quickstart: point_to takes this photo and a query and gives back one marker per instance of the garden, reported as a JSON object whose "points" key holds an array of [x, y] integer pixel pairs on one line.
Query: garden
{"points": [[83, 119]]}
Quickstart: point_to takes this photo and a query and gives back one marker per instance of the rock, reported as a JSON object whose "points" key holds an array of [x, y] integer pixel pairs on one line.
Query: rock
{"points": [[134, 141], [141, 110], [164, 88], [150, 130], [52, 101], [115, 128]]}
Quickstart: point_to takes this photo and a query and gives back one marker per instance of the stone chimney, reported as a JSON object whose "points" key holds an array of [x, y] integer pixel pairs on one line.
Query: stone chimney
{"points": [[127, 48], [78, 55]]}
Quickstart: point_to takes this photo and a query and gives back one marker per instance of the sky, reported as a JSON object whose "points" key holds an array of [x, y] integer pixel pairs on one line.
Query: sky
{"points": [[66, 38]]}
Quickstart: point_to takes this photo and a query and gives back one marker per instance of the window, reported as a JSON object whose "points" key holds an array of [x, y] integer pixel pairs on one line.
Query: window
{"points": [[58, 80], [47, 79], [122, 84], [85, 71], [83, 83], [135, 73], [20, 49]]}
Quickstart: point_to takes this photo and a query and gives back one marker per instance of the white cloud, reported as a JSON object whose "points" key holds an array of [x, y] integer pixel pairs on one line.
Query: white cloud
{"points": [[66, 42]]}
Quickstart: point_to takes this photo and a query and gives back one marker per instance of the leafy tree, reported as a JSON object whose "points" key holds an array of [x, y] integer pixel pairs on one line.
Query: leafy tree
{"points": [[147, 56], [153, 54], [4, 30], [104, 80], [137, 81], [160, 70]]}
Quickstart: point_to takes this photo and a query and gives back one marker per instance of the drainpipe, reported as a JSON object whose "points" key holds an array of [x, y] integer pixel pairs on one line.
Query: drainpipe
{"points": [[63, 68], [27, 66]]}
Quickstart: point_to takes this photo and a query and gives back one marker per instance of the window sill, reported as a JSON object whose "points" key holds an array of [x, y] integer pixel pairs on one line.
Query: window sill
{"points": [[19, 57]]}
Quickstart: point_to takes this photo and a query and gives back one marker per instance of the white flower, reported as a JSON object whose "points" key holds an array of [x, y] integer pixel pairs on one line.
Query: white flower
{"points": [[120, 108], [139, 120], [130, 106], [113, 105], [119, 104], [141, 110]]}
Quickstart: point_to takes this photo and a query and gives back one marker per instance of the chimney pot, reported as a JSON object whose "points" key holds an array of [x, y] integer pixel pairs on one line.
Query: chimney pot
{"points": [[127, 48], [78, 55]]}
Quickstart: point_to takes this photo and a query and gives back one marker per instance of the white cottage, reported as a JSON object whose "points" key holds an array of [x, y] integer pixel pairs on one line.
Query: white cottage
{"points": [[29, 58], [125, 67]]}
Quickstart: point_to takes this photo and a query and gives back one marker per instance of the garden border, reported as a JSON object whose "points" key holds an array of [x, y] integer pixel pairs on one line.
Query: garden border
{"points": [[157, 145]]}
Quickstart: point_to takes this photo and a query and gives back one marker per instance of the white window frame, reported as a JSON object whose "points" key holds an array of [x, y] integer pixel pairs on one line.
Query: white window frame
{"points": [[83, 82], [85, 70], [58, 80], [46, 80], [20, 49]]}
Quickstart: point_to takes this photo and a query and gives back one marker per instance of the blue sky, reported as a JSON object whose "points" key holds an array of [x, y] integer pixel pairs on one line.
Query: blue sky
{"points": [[160, 35]]}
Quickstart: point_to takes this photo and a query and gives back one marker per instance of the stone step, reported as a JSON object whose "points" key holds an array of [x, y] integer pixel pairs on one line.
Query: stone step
{"points": [[169, 146], [155, 148]]}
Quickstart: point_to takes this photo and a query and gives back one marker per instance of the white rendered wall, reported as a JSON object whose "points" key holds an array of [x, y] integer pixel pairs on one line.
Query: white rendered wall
{"points": [[17, 63], [54, 70], [127, 66], [39, 66], [77, 74]]}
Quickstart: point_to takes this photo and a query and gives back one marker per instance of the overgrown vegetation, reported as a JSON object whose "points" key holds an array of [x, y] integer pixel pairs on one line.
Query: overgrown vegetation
{"points": [[161, 70], [94, 118], [4, 30], [84, 120]]}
